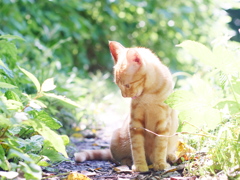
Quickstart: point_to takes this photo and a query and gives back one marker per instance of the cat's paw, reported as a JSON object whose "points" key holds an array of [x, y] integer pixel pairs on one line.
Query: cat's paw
{"points": [[172, 158], [126, 161], [160, 166], [140, 168]]}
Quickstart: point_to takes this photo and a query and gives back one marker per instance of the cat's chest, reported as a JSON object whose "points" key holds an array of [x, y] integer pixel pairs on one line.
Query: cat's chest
{"points": [[149, 112]]}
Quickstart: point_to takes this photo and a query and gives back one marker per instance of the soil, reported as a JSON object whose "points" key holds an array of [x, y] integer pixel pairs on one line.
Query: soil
{"points": [[99, 170]]}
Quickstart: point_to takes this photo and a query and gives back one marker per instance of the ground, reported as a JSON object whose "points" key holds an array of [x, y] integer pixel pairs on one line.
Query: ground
{"points": [[100, 170], [105, 170]]}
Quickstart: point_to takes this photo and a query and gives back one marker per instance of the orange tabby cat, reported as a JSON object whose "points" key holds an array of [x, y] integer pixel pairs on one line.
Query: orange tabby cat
{"points": [[140, 75]]}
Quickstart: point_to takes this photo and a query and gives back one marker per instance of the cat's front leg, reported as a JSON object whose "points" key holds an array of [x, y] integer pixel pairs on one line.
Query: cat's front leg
{"points": [[160, 150], [137, 146]]}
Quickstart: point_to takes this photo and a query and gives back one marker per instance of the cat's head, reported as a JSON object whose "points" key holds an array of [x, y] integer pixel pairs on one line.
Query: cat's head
{"points": [[129, 72]]}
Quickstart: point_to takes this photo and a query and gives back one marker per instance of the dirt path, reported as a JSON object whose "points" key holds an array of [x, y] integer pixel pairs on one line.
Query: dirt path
{"points": [[100, 170]]}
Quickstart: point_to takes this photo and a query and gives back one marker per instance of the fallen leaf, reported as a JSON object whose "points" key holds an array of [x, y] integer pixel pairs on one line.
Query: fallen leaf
{"points": [[120, 169], [183, 178], [77, 135], [88, 173], [184, 151], [94, 131], [150, 166], [77, 176]]}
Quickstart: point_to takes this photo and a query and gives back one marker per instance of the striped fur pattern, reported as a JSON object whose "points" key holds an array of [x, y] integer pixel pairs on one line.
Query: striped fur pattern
{"points": [[103, 154], [141, 76]]}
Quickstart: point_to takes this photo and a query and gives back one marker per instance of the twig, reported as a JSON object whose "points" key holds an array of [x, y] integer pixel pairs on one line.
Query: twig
{"points": [[178, 133], [194, 126], [56, 175], [175, 134]]}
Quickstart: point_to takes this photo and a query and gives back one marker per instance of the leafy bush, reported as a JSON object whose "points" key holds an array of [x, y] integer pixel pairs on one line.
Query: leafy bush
{"points": [[76, 33], [28, 133], [208, 104]]}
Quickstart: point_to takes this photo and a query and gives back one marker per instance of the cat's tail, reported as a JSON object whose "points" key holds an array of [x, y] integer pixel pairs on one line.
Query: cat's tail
{"points": [[101, 154]]}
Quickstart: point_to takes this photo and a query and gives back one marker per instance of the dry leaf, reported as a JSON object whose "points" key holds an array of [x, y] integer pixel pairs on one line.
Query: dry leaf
{"points": [[94, 131], [183, 178], [183, 150], [97, 169], [77, 135], [150, 166], [121, 169], [77, 176], [88, 173], [174, 168]]}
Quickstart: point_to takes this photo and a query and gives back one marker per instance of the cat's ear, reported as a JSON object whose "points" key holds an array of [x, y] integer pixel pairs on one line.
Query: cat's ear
{"points": [[133, 57], [115, 49]]}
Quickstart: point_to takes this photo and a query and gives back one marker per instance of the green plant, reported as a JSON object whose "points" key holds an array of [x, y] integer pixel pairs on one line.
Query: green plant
{"points": [[80, 39], [209, 105], [27, 132]]}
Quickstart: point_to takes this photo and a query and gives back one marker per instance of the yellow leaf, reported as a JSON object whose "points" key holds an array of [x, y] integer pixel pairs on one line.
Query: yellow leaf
{"points": [[76, 128], [77, 135], [150, 166], [183, 149], [94, 130], [77, 176], [123, 168]]}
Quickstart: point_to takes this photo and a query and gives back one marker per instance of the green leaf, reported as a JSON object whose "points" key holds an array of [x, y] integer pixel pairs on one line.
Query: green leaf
{"points": [[52, 154], [63, 99], [37, 104], [180, 100], [32, 77], [14, 130], [43, 163], [12, 95], [10, 104], [9, 50], [194, 108], [6, 85], [228, 107], [31, 170], [4, 121], [236, 84], [49, 135], [203, 118], [14, 153], [4, 164], [14, 105], [200, 51], [65, 139], [35, 143], [8, 36], [48, 85], [9, 174], [226, 60], [46, 119], [6, 70]]}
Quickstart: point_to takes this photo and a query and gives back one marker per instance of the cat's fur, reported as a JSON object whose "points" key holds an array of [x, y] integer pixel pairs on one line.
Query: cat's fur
{"points": [[140, 75]]}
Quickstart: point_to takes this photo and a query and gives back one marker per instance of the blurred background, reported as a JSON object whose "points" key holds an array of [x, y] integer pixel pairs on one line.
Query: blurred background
{"points": [[68, 40]]}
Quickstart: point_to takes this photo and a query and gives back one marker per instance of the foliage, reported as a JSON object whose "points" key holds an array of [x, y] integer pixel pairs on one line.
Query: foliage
{"points": [[28, 135], [66, 40], [76, 33], [208, 103]]}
